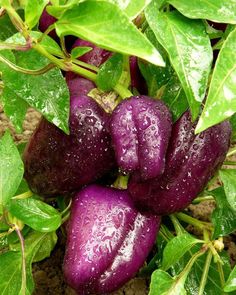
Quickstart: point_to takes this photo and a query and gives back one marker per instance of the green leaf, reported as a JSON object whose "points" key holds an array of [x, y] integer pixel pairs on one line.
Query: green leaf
{"points": [[36, 214], [228, 177], [163, 284], [51, 99], [175, 98], [104, 24], [11, 262], [79, 51], [7, 29], [132, 8], [58, 10], [110, 72], [11, 169], [233, 124], [213, 284], [189, 49], [176, 248], [11, 274], [155, 76], [230, 285], [220, 11], [221, 99], [224, 213], [33, 11]]}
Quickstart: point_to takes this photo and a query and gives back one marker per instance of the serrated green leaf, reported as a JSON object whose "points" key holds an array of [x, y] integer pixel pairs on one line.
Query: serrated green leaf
{"points": [[110, 72], [230, 285], [224, 213], [221, 99], [175, 98], [189, 50], [51, 99], [163, 284], [228, 177], [220, 11], [104, 24], [33, 11], [176, 248], [36, 214], [79, 51], [11, 169]]}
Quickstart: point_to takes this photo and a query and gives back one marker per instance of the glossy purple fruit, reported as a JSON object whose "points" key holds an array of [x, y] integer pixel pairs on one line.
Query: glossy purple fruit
{"points": [[108, 240], [45, 21], [191, 162], [140, 130], [56, 163]]}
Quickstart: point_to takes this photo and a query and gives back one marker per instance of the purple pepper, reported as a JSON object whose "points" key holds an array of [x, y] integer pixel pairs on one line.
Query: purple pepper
{"points": [[140, 130], [56, 163], [191, 162], [108, 240]]}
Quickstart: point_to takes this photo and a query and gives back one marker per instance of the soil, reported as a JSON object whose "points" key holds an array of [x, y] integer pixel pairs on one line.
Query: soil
{"points": [[48, 274]]}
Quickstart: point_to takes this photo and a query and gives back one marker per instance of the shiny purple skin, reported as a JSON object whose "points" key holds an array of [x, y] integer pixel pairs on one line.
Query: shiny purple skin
{"points": [[191, 162], [56, 163], [140, 130], [108, 240]]}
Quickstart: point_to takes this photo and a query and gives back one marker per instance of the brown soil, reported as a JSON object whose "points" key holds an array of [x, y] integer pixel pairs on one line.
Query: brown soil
{"points": [[48, 274]]}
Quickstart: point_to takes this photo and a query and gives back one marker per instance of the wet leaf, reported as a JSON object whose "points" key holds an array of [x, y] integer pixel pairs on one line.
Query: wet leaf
{"points": [[132, 8], [33, 11], [36, 214], [110, 72], [79, 51], [221, 99], [7, 29], [11, 169], [228, 177], [230, 285], [162, 283], [220, 11], [189, 50], [175, 98], [52, 99], [111, 30], [176, 248]]}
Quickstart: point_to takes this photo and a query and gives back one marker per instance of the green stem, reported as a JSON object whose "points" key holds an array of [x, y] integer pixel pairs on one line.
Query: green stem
{"points": [[178, 227], [121, 182], [231, 152], [205, 273], [63, 46], [26, 71], [233, 163], [193, 221], [17, 21], [202, 199], [25, 195], [12, 46], [85, 65], [165, 233], [49, 29], [122, 91], [22, 243], [221, 273]]}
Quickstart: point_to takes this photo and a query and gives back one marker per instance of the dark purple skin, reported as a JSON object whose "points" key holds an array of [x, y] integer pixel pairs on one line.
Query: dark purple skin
{"points": [[56, 163], [108, 240], [140, 130], [45, 21], [191, 161], [137, 80]]}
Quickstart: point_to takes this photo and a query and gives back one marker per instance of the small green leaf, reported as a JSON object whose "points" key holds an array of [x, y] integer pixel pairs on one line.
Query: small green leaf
{"points": [[189, 50], [224, 213], [163, 284], [221, 99], [79, 51], [11, 169], [110, 72], [220, 11], [175, 97], [228, 177], [104, 24], [176, 248], [58, 10], [36, 214], [33, 11], [230, 285]]}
